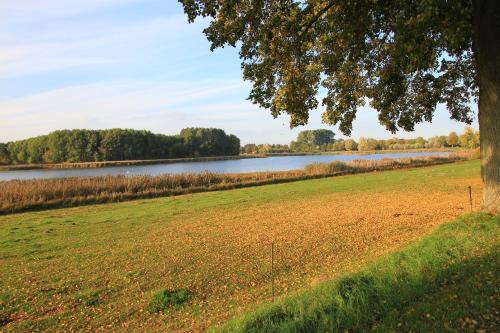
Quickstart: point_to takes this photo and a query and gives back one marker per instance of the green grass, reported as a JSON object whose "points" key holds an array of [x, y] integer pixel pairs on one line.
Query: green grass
{"points": [[165, 299], [447, 282], [97, 267]]}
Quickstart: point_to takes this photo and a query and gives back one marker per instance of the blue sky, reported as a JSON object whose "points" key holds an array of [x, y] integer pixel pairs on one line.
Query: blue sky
{"points": [[135, 64]]}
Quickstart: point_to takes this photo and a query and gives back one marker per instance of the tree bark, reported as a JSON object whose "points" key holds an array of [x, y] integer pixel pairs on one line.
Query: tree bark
{"points": [[487, 55]]}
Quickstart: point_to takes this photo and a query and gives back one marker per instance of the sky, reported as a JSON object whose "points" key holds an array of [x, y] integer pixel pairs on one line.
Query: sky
{"points": [[138, 64]]}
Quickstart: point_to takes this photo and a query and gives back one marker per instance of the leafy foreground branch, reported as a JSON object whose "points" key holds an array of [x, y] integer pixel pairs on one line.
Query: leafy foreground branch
{"points": [[447, 282], [24, 195]]}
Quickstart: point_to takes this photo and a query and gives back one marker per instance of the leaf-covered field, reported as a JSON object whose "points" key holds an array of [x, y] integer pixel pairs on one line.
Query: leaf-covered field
{"points": [[96, 268]]}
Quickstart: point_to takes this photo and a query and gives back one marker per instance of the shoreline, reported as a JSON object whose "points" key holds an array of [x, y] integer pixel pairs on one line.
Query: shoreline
{"points": [[104, 164], [19, 196]]}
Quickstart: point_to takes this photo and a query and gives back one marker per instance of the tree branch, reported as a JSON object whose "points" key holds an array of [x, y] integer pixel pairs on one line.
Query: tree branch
{"points": [[305, 28]]}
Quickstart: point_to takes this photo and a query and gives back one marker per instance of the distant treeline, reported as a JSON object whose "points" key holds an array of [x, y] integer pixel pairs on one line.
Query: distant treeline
{"points": [[117, 145], [323, 141]]}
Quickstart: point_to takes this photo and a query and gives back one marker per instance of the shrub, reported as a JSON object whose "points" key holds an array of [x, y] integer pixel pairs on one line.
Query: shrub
{"points": [[165, 299]]}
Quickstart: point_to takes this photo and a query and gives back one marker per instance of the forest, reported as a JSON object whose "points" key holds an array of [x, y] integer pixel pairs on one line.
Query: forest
{"points": [[82, 145], [322, 140]]}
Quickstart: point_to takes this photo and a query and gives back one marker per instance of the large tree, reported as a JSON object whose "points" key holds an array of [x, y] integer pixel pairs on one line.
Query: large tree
{"points": [[404, 57], [316, 137], [452, 139]]}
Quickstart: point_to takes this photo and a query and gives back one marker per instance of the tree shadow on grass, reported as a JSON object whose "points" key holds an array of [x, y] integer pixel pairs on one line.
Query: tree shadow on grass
{"points": [[465, 300], [448, 282]]}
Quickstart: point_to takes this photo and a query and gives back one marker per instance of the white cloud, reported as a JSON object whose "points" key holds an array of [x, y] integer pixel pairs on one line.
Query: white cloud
{"points": [[137, 104], [166, 107], [90, 46]]}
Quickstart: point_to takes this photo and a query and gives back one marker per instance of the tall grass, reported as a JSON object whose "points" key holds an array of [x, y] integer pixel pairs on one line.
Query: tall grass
{"points": [[375, 298], [23, 195], [357, 166]]}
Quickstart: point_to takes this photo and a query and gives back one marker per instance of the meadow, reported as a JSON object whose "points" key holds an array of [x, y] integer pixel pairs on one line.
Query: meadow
{"points": [[25, 195], [191, 262]]}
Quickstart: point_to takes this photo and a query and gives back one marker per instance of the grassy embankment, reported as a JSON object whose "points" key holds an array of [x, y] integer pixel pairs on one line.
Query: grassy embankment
{"points": [[103, 164], [100, 267], [25, 195], [447, 282]]}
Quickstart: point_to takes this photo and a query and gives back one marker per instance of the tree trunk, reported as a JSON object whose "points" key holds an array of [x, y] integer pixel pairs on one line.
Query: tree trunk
{"points": [[487, 56]]}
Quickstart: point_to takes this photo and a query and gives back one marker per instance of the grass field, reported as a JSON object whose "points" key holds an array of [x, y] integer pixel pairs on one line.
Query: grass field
{"points": [[446, 282], [97, 268]]}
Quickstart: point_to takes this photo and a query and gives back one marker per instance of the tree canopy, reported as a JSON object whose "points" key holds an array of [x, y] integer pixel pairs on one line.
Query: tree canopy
{"points": [[469, 139], [117, 144], [316, 137], [452, 139], [405, 57], [305, 143]]}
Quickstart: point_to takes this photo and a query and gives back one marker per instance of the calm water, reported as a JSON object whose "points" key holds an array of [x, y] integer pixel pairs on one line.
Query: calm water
{"points": [[280, 163]]}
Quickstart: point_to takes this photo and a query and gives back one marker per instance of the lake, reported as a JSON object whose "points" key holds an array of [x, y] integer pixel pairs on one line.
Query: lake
{"points": [[274, 163]]}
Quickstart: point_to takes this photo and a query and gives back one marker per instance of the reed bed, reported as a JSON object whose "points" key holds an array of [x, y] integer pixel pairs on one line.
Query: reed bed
{"points": [[24, 195]]}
